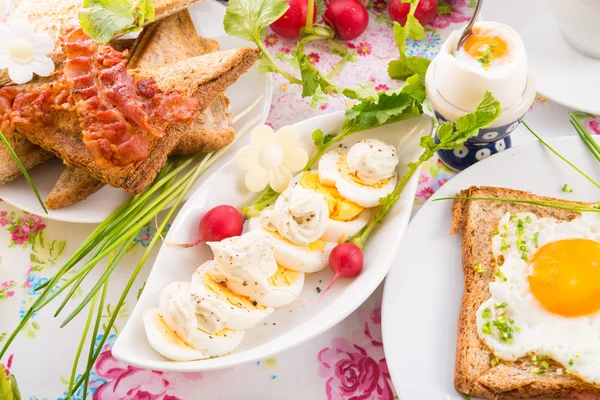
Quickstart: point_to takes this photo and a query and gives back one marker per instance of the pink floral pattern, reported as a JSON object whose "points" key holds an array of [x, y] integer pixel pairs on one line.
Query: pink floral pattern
{"points": [[592, 125], [451, 12], [125, 382], [357, 369]]}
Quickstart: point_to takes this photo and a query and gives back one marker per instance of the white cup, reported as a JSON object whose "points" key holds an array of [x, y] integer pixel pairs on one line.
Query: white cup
{"points": [[579, 21]]}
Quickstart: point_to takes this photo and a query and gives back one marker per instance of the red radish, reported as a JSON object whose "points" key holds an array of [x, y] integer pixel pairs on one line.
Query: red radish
{"points": [[424, 13], [218, 223], [349, 18], [290, 23], [345, 260]]}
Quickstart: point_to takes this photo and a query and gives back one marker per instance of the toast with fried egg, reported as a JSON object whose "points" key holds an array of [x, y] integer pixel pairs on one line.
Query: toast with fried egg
{"points": [[477, 371]]}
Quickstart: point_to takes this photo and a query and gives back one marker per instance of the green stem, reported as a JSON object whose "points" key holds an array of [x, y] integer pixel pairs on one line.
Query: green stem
{"points": [[23, 170], [199, 170], [310, 15], [265, 53], [361, 237], [586, 176], [563, 205], [584, 134], [345, 58], [80, 348], [86, 375]]}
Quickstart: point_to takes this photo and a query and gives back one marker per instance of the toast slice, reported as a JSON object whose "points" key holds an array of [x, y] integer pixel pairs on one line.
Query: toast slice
{"points": [[473, 373], [52, 16], [29, 154], [160, 43], [202, 78]]}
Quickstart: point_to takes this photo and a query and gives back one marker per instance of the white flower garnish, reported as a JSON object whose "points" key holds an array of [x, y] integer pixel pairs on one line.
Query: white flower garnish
{"points": [[271, 158], [25, 52]]}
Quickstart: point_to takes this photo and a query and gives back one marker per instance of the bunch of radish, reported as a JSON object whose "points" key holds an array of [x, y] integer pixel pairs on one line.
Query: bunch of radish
{"points": [[348, 18]]}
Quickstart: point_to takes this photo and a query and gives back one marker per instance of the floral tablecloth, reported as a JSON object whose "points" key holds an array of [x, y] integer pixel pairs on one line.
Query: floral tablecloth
{"points": [[345, 363]]}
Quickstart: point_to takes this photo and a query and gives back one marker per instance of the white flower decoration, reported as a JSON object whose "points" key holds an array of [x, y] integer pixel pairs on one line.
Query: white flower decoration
{"points": [[271, 158], [25, 52]]}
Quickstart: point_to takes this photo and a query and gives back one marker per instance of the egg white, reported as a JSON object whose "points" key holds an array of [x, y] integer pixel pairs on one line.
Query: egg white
{"points": [[165, 341], [363, 195], [294, 257], [339, 231], [540, 331], [237, 315]]}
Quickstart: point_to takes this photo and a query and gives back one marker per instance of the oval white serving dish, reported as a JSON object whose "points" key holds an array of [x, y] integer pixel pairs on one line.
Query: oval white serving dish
{"points": [[299, 322]]}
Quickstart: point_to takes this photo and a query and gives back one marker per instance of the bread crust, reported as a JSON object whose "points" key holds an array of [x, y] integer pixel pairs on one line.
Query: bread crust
{"points": [[473, 374]]}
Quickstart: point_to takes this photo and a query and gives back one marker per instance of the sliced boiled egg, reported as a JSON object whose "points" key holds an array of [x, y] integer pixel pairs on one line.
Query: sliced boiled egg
{"points": [[311, 258], [336, 168], [238, 311], [165, 341], [346, 217]]}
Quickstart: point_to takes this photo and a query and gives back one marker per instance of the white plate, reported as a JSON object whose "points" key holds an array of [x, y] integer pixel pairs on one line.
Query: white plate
{"points": [[208, 18], [422, 294], [299, 322], [563, 74]]}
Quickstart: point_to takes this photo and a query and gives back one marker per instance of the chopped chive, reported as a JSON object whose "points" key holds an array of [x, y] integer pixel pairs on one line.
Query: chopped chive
{"points": [[486, 313], [567, 189], [535, 239], [500, 275], [487, 328], [494, 361], [524, 256], [571, 362], [479, 268], [501, 305]]}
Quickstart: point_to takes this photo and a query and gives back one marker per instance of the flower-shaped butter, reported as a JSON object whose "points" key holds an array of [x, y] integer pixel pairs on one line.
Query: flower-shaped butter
{"points": [[271, 158]]}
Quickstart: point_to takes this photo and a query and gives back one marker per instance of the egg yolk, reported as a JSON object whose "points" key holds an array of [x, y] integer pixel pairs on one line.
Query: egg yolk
{"points": [[564, 276], [340, 209], [284, 277], [224, 293], [485, 46]]}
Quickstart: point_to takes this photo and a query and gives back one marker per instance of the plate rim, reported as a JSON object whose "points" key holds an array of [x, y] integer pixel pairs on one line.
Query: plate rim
{"points": [[196, 366]]}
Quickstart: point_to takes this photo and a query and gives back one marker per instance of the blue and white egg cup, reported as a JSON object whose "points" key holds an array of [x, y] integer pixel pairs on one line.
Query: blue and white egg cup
{"points": [[490, 140]]}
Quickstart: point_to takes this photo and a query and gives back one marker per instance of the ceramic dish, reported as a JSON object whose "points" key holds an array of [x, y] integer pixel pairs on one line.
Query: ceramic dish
{"points": [[291, 325], [207, 17], [563, 74], [423, 291]]}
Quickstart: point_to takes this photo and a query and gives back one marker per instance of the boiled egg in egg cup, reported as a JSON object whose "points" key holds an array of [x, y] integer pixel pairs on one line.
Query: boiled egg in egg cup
{"points": [[493, 59], [544, 300]]}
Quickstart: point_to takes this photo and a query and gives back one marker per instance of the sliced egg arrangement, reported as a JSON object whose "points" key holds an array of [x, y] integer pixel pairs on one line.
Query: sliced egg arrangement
{"points": [[545, 300], [265, 268]]}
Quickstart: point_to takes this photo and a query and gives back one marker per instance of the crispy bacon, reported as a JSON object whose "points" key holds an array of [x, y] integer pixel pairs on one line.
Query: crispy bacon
{"points": [[107, 97], [113, 109]]}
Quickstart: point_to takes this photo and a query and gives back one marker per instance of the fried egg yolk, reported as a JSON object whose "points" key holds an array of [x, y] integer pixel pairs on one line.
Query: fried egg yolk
{"points": [[485, 46], [564, 277], [340, 208]]}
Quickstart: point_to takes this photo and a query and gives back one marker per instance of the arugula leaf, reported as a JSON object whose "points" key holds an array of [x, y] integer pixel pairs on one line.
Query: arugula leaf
{"points": [[247, 19], [9, 389], [366, 115], [414, 29], [102, 20]]}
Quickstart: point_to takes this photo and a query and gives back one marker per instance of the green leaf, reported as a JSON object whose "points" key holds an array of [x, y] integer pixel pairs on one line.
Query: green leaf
{"points": [[390, 108], [311, 79], [415, 88], [246, 19], [400, 37], [413, 28], [408, 66], [102, 20], [317, 137], [9, 390], [320, 7]]}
